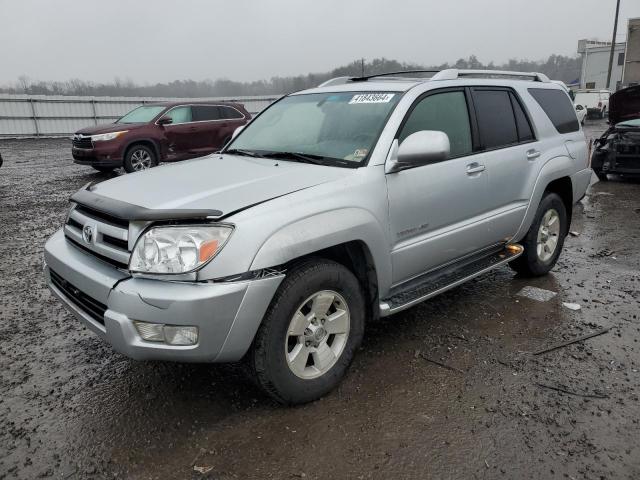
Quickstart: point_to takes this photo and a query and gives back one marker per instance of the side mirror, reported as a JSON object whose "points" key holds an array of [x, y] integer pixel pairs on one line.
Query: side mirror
{"points": [[420, 148], [237, 131], [165, 120]]}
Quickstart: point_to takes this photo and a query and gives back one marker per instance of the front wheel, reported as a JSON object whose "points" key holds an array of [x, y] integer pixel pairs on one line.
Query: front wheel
{"points": [[139, 157], [544, 240], [310, 333]]}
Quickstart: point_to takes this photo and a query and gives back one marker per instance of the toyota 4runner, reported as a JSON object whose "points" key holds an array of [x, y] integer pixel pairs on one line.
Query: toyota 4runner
{"points": [[334, 206]]}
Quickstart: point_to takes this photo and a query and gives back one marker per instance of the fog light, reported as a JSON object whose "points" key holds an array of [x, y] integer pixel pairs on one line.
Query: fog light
{"points": [[170, 334], [176, 335], [151, 332]]}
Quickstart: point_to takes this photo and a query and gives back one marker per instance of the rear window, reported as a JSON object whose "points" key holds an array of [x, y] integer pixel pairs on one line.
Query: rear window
{"points": [[558, 107], [230, 113], [203, 113]]}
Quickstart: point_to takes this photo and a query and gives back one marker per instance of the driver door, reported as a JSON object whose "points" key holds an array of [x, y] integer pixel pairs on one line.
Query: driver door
{"points": [[436, 210]]}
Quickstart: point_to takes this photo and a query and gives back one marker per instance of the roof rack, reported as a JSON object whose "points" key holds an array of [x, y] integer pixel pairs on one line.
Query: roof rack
{"points": [[454, 73], [448, 74]]}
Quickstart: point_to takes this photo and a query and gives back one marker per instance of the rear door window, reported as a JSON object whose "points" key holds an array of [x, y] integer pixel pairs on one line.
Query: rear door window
{"points": [[445, 112], [230, 113], [558, 107], [203, 113], [496, 120]]}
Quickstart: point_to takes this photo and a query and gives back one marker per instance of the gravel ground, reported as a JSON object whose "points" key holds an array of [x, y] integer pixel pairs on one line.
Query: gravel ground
{"points": [[70, 407]]}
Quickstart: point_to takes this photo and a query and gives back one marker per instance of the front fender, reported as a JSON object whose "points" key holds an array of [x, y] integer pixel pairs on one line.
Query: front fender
{"points": [[555, 168], [324, 230]]}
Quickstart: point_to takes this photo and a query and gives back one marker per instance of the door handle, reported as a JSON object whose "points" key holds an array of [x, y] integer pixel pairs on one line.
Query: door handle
{"points": [[532, 154], [474, 168]]}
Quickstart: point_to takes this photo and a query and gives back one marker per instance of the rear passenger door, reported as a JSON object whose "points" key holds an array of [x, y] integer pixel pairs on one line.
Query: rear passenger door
{"points": [[510, 152], [180, 134], [209, 125], [436, 210]]}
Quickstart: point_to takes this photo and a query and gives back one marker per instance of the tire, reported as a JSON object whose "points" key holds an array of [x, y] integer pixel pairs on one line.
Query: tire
{"points": [[103, 169], [139, 157], [534, 262], [289, 359], [602, 176]]}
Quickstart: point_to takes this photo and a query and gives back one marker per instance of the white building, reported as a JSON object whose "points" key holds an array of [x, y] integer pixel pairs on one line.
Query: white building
{"points": [[595, 64], [632, 56]]}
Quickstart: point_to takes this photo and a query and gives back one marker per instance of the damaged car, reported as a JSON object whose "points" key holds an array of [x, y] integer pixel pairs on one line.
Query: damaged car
{"points": [[618, 149]]}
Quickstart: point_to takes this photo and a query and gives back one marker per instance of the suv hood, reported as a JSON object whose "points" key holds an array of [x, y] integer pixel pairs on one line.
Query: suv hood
{"points": [[110, 127], [228, 183], [624, 105]]}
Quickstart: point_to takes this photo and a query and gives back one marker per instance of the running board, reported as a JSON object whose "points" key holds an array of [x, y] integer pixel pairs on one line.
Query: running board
{"points": [[441, 280]]}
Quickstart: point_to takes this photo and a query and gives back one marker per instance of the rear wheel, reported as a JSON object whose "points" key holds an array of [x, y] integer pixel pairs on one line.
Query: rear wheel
{"points": [[544, 240], [310, 333], [139, 157]]}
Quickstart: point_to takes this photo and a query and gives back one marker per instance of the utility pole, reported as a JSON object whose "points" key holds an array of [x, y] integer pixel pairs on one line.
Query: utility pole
{"points": [[362, 65], [613, 43]]}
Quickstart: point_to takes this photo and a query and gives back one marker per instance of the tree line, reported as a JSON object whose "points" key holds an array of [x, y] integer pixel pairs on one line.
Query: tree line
{"points": [[557, 67]]}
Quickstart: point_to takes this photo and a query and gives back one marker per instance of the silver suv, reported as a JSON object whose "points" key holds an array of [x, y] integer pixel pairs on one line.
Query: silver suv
{"points": [[333, 207]]}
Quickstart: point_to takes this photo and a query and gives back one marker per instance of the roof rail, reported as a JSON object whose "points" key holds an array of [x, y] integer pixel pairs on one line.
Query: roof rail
{"points": [[364, 78], [453, 74], [448, 74]]}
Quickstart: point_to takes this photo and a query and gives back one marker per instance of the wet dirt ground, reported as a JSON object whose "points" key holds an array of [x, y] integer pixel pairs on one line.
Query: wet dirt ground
{"points": [[72, 408]]}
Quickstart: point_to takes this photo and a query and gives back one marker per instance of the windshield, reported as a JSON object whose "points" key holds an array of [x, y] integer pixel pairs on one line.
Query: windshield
{"points": [[331, 128], [142, 114]]}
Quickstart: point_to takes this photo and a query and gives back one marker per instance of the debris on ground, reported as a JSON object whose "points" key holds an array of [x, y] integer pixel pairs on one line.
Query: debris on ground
{"points": [[569, 392], [573, 233], [537, 294], [436, 362], [605, 252], [204, 469], [571, 342], [571, 306]]}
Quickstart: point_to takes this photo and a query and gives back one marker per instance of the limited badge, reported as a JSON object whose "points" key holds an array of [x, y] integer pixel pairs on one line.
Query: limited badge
{"points": [[371, 98]]}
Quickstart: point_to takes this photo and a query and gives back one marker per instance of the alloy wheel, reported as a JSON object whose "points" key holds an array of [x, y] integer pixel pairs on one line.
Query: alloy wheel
{"points": [[548, 235], [317, 334], [140, 160]]}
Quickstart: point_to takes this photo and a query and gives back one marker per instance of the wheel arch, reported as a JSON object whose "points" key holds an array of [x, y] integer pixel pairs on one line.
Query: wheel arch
{"points": [[147, 142], [554, 176]]}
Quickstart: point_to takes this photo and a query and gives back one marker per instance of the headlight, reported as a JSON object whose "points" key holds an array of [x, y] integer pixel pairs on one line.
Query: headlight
{"points": [[177, 249], [103, 137]]}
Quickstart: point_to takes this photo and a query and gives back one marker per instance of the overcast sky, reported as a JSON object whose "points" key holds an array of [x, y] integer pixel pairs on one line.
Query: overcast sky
{"points": [[153, 41]]}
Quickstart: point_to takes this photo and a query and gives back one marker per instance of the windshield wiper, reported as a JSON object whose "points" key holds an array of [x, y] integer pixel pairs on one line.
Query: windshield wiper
{"points": [[296, 157], [246, 153]]}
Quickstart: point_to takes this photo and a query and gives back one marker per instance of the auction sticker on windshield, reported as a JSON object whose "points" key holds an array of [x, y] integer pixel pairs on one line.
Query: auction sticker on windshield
{"points": [[372, 98]]}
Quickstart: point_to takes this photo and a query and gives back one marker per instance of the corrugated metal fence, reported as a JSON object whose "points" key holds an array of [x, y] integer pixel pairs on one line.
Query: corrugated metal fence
{"points": [[58, 115]]}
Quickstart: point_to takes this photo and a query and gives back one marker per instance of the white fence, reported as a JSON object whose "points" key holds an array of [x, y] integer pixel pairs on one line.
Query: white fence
{"points": [[58, 115]]}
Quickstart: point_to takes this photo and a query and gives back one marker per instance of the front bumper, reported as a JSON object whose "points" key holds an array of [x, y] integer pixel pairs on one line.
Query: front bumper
{"points": [[227, 314], [103, 154]]}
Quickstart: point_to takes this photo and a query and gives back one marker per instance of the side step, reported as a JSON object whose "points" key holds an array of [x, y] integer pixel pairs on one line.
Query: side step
{"points": [[441, 280]]}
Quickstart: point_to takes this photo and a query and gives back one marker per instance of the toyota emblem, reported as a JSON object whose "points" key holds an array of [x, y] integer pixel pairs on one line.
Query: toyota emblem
{"points": [[87, 233]]}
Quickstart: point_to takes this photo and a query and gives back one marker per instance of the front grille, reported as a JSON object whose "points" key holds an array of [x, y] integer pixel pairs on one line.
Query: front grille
{"points": [[82, 142], [84, 302], [103, 217], [101, 234]]}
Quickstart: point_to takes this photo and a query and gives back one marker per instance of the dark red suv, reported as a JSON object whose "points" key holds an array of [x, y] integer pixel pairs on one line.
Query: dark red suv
{"points": [[158, 132]]}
